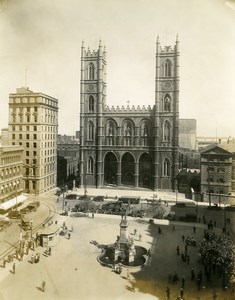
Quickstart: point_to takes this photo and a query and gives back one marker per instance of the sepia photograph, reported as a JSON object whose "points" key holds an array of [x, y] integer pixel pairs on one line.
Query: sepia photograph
{"points": [[117, 149]]}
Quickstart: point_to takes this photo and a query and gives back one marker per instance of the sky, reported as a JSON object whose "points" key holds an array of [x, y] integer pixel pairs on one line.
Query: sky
{"points": [[45, 37]]}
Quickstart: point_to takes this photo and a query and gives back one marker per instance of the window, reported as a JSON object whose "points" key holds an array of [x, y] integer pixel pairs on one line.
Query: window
{"points": [[90, 165], [166, 167], [167, 68], [35, 145], [91, 104], [27, 136], [27, 145], [35, 128], [35, 136], [27, 153], [90, 131], [13, 136], [91, 71], [20, 136]]}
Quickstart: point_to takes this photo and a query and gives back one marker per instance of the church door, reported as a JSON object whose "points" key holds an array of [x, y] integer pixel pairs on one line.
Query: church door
{"points": [[128, 169], [145, 171], [110, 169]]}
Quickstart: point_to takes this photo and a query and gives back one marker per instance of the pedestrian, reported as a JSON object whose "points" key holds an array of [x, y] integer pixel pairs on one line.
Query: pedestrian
{"points": [[194, 229], [140, 237], [178, 250], [188, 259], [181, 293], [43, 285], [14, 268], [192, 274], [159, 230], [128, 274], [183, 282], [69, 235], [214, 295], [32, 259], [168, 293], [183, 238]]}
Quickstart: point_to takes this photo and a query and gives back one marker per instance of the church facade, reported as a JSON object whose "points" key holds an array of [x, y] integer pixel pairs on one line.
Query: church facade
{"points": [[129, 146]]}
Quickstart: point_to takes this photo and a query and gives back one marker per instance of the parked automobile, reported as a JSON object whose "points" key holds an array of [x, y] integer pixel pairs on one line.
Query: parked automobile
{"points": [[33, 206], [71, 197], [24, 210], [98, 198], [84, 197], [14, 214]]}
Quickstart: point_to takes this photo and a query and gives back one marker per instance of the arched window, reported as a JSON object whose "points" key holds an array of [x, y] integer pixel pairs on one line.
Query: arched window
{"points": [[90, 131], [91, 104], [90, 165], [166, 131], [166, 167], [167, 68], [167, 103], [91, 71]]}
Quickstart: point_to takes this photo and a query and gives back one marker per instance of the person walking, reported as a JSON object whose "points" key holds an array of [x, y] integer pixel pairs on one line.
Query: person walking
{"points": [[168, 293], [183, 282], [178, 250], [43, 286], [14, 268], [181, 293]]}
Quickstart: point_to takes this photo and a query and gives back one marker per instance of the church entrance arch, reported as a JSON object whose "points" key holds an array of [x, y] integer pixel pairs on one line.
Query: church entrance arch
{"points": [[128, 169], [110, 169], [145, 171]]}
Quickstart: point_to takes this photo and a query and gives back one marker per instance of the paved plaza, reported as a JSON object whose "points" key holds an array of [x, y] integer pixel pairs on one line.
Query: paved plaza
{"points": [[73, 272]]}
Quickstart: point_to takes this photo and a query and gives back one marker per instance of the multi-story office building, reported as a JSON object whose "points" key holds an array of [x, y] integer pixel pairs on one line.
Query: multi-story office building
{"points": [[218, 172], [11, 175], [129, 145], [33, 124], [68, 161]]}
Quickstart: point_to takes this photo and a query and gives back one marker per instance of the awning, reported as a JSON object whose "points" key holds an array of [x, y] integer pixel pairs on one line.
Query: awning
{"points": [[49, 230], [10, 203]]}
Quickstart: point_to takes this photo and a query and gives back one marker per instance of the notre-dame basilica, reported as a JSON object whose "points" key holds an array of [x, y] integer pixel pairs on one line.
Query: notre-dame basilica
{"points": [[129, 146]]}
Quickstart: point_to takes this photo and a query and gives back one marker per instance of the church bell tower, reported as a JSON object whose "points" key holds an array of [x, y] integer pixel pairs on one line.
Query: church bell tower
{"points": [[92, 101]]}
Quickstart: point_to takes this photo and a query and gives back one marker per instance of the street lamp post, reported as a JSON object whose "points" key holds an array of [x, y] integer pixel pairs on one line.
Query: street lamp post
{"points": [[31, 221]]}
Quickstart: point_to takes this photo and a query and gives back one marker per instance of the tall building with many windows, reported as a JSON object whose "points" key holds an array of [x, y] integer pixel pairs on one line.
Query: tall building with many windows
{"points": [[11, 178], [33, 123], [131, 146]]}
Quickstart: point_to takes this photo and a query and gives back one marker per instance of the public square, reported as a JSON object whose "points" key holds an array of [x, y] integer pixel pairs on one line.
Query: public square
{"points": [[73, 272]]}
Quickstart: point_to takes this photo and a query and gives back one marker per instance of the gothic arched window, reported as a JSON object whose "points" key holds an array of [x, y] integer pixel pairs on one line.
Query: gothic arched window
{"points": [[91, 104], [90, 165], [90, 131], [167, 68], [91, 71], [167, 131], [166, 167], [167, 103]]}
